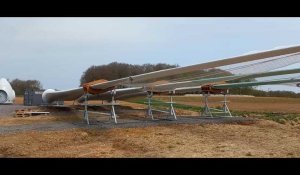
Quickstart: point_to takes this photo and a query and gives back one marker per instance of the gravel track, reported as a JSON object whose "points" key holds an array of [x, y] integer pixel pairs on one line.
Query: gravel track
{"points": [[126, 120], [123, 123], [132, 123]]}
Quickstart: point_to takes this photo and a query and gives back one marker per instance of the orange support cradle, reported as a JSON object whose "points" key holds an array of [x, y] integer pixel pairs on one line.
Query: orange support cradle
{"points": [[88, 89]]}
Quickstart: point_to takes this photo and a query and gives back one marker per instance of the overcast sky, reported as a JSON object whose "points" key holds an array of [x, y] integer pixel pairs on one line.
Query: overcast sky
{"points": [[57, 51]]}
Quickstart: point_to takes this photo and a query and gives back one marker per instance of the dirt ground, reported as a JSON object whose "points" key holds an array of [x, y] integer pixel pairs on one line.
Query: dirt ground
{"points": [[257, 104], [19, 100], [262, 138]]}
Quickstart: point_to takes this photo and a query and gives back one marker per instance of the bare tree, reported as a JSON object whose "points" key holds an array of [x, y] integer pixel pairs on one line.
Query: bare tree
{"points": [[20, 86], [117, 70]]}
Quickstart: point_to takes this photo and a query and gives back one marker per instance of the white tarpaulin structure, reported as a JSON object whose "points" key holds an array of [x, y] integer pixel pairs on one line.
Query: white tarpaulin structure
{"points": [[7, 94]]}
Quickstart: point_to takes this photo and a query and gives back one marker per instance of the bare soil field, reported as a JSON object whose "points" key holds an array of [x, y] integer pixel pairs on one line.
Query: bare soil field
{"points": [[257, 104], [262, 138]]}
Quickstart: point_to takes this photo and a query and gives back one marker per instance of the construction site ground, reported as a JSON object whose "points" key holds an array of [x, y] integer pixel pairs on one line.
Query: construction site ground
{"points": [[64, 133]]}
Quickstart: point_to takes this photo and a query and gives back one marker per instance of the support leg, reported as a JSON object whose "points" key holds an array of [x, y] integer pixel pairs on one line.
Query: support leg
{"points": [[225, 107], [172, 111], [112, 112], [207, 111], [86, 115], [149, 109]]}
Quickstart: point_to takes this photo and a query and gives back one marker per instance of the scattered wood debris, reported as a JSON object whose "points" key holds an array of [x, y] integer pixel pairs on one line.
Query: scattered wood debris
{"points": [[29, 112]]}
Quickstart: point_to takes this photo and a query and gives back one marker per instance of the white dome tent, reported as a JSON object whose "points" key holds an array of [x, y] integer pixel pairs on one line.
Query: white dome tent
{"points": [[7, 94]]}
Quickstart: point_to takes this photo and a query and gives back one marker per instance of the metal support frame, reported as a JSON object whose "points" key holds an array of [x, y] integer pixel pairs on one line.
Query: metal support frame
{"points": [[112, 111], [208, 111], [85, 114], [149, 109], [149, 113]]}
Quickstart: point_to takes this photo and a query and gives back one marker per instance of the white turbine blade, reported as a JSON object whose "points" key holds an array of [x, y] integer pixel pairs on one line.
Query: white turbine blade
{"points": [[197, 67], [72, 94], [108, 96]]}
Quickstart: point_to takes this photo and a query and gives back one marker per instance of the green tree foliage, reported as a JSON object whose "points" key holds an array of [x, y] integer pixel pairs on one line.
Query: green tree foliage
{"points": [[20, 86]]}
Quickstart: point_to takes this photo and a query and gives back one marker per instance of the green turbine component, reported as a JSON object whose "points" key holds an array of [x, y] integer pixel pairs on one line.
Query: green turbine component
{"points": [[267, 74], [227, 79], [240, 77], [212, 80], [256, 83]]}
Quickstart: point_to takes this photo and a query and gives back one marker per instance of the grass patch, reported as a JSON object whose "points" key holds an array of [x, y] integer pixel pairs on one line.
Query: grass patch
{"points": [[274, 116], [162, 105]]}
